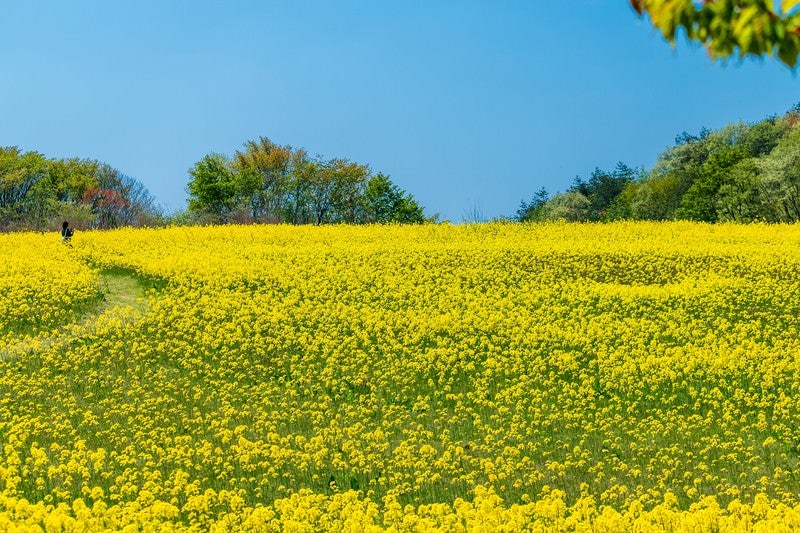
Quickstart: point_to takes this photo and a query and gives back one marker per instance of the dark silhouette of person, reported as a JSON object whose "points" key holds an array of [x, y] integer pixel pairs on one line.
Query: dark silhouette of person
{"points": [[66, 232]]}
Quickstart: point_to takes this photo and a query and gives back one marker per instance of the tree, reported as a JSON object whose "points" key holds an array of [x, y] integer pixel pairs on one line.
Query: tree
{"points": [[21, 175], [328, 190], [348, 179], [571, 206], [115, 199], [741, 172], [602, 188], [730, 27], [38, 193], [383, 202], [334, 190], [297, 209], [700, 200], [262, 177], [533, 210], [738, 198], [72, 177], [142, 209], [761, 138], [212, 189], [266, 182], [656, 197], [106, 199], [779, 183]]}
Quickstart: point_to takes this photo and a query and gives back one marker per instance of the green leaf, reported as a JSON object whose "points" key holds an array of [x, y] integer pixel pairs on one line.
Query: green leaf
{"points": [[788, 5], [787, 51], [780, 30]]}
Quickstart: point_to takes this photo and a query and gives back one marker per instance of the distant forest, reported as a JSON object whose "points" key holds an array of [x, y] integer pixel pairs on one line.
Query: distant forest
{"points": [[742, 173]]}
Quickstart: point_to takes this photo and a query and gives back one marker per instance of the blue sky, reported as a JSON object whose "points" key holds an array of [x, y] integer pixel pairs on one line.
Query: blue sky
{"points": [[468, 105]]}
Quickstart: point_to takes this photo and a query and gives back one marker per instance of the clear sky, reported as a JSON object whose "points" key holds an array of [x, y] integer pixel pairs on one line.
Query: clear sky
{"points": [[468, 105]]}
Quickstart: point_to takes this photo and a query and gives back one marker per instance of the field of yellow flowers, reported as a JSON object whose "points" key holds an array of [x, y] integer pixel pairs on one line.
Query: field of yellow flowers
{"points": [[510, 377]]}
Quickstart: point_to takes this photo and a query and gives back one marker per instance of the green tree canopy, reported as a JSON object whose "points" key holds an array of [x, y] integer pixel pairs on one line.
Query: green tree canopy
{"points": [[38, 193], [263, 169], [571, 206], [741, 172], [384, 201], [212, 188], [267, 182], [730, 27], [533, 210]]}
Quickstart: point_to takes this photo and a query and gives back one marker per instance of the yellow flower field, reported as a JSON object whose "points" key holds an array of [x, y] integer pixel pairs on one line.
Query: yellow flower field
{"points": [[579, 377]]}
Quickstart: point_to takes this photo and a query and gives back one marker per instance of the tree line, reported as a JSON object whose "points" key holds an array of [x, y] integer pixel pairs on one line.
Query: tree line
{"points": [[264, 182], [38, 193], [267, 182], [743, 172]]}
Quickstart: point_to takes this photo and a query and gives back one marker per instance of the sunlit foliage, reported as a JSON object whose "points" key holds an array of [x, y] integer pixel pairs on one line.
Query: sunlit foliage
{"points": [[731, 27]]}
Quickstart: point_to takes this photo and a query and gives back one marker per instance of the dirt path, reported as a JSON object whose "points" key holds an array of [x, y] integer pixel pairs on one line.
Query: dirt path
{"points": [[123, 297]]}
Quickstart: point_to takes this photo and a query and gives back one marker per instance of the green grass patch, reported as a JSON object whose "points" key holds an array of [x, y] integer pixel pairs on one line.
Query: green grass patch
{"points": [[121, 289]]}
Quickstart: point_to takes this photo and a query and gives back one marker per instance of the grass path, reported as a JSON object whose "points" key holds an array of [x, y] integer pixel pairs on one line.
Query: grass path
{"points": [[123, 296], [120, 290]]}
